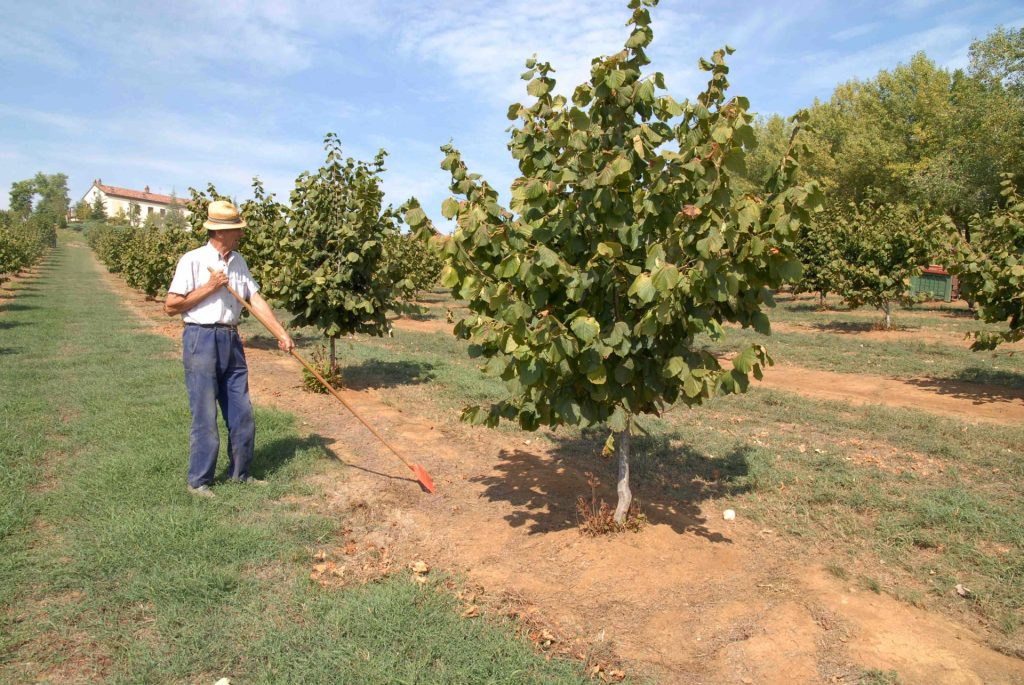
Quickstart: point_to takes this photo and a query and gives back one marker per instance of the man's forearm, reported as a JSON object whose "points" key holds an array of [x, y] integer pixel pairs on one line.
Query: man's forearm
{"points": [[176, 304]]}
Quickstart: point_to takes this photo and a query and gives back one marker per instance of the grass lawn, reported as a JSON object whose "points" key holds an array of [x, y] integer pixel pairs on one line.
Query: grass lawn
{"points": [[111, 572]]}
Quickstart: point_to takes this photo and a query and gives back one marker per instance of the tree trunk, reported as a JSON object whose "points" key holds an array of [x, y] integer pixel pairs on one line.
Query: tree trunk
{"points": [[625, 496], [888, 316], [821, 301], [334, 359]]}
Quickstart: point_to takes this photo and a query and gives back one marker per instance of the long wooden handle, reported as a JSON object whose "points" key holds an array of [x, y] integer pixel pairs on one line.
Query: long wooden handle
{"points": [[320, 378]]}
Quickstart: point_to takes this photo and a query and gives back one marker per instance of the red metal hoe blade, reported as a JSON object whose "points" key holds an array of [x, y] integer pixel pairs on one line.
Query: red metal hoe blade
{"points": [[423, 477]]}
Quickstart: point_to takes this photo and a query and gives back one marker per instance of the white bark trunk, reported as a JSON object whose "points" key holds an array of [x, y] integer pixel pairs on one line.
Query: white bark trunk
{"points": [[334, 359], [888, 317], [625, 496]]}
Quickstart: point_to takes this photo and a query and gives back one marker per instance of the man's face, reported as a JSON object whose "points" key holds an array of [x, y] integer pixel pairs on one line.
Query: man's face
{"points": [[230, 237]]}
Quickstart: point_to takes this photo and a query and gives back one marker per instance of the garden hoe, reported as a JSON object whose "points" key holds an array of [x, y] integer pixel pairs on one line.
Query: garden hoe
{"points": [[421, 473]]}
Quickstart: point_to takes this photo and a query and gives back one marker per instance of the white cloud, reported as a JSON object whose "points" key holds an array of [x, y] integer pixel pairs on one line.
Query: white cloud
{"points": [[830, 68], [66, 122], [855, 31], [484, 44]]}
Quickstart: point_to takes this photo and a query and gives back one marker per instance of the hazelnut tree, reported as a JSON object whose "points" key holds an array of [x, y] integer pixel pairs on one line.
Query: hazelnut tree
{"points": [[991, 268], [625, 239]]}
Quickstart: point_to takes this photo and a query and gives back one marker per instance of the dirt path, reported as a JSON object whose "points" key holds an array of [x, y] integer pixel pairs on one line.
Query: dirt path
{"points": [[690, 599], [968, 401]]}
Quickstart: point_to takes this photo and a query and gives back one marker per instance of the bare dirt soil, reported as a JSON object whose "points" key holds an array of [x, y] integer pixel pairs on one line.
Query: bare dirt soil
{"points": [[690, 599]]}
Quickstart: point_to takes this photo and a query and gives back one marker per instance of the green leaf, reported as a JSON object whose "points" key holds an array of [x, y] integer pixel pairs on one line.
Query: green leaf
{"points": [[691, 386], [645, 93], [586, 328], [674, 367], [415, 217], [745, 360], [449, 277], [761, 323], [615, 78], [721, 134], [534, 189], [538, 87], [609, 249], [617, 420], [643, 288], [449, 207], [508, 267], [665, 277], [546, 256], [597, 375]]}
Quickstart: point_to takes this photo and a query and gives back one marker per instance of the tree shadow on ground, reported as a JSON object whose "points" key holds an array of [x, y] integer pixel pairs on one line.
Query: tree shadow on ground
{"points": [[425, 314], [811, 307], [265, 341], [945, 310], [979, 385], [10, 324], [17, 307], [416, 312], [860, 327], [375, 373], [8, 350], [272, 456], [669, 481]]}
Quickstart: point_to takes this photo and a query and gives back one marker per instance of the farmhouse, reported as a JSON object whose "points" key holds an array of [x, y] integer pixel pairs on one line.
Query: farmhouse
{"points": [[117, 199]]}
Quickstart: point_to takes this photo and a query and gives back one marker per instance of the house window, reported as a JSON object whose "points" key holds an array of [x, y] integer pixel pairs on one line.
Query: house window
{"points": [[149, 210], [162, 212]]}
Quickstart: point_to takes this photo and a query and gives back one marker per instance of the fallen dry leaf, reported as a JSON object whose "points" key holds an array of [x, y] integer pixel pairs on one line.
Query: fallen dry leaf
{"points": [[471, 611], [419, 567], [962, 591]]}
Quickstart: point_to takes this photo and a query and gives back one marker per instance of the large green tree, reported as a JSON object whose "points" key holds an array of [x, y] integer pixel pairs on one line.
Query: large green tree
{"points": [[626, 238]]}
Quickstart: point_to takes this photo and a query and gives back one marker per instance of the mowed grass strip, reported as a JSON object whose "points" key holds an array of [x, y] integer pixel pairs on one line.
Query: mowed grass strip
{"points": [[917, 503], [111, 572]]}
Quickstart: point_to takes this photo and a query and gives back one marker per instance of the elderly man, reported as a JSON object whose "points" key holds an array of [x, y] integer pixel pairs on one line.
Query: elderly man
{"points": [[215, 367]]}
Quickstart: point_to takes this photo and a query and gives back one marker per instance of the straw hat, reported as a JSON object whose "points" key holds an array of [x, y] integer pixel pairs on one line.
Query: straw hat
{"points": [[222, 216]]}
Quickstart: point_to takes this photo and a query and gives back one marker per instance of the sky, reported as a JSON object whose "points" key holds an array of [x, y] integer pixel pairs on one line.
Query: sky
{"points": [[178, 94]]}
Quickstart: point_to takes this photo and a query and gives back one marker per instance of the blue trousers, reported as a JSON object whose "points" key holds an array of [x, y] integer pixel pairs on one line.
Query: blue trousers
{"points": [[216, 373]]}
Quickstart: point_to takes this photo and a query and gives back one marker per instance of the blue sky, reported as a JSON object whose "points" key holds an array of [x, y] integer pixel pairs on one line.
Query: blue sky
{"points": [[177, 94]]}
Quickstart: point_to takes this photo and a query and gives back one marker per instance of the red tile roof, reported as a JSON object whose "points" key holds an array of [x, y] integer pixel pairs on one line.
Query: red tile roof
{"points": [[140, 195]]}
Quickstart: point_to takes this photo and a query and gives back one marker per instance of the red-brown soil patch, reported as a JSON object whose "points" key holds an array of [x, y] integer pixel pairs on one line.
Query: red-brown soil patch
{"points": [[964, 400], [690, 599]]}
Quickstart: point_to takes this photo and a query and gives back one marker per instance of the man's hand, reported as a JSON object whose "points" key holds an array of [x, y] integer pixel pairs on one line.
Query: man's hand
{"points": [[286, 343], [218, 279]]}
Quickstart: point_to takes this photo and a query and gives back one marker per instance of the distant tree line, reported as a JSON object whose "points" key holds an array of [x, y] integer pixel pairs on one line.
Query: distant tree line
{"points": [[28, 228], [916, 162]]}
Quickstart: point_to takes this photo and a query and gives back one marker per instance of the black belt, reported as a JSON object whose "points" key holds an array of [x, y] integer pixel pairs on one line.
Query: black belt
{"points": [[226, 326]]}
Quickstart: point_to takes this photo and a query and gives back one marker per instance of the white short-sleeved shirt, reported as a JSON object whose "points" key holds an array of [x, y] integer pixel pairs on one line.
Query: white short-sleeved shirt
{"points": [[220, 307]]}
